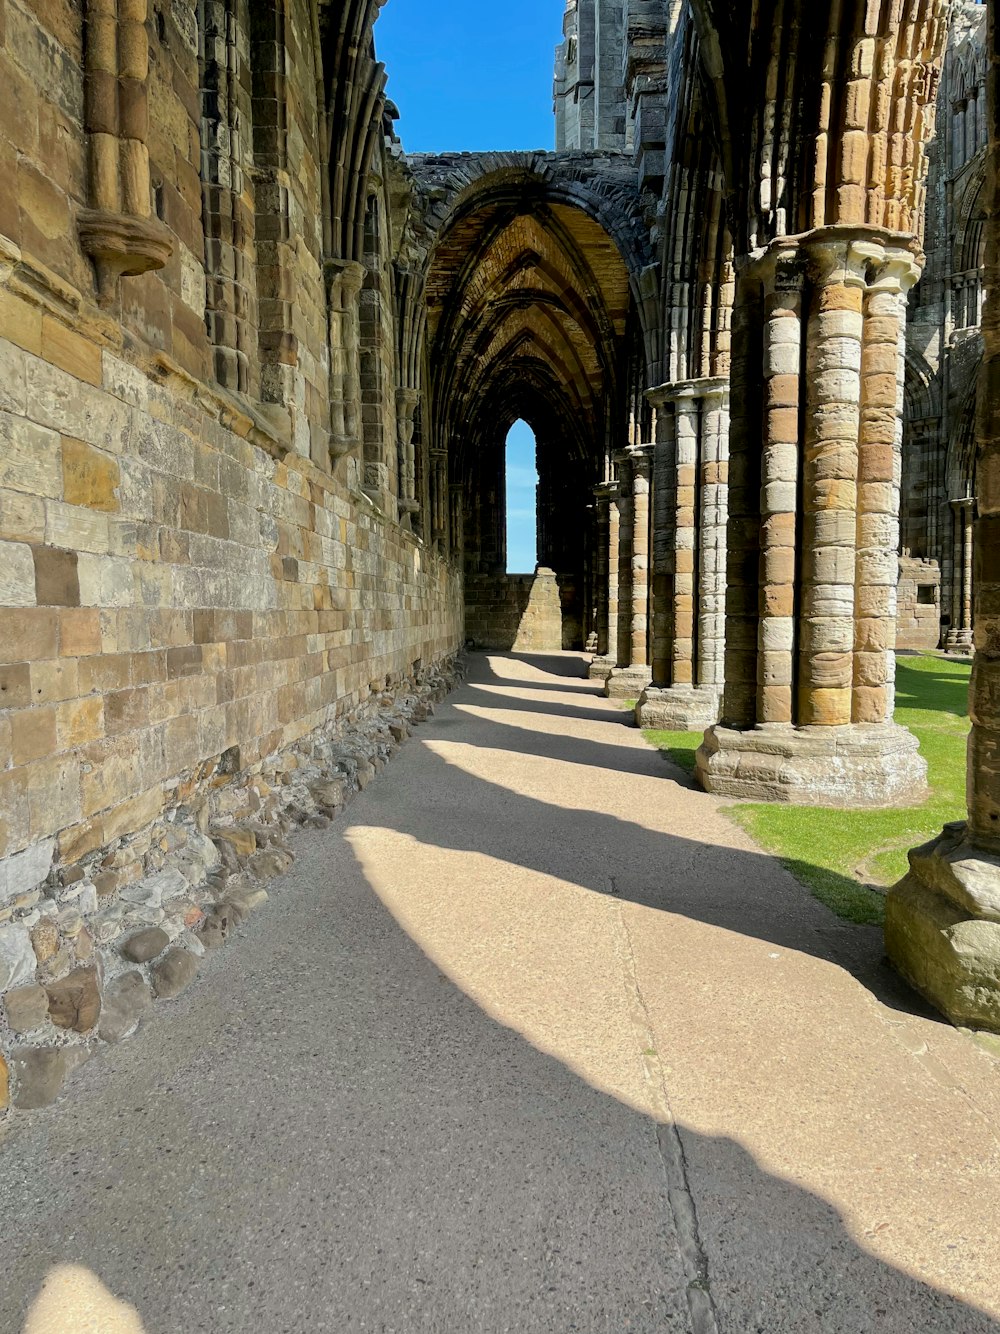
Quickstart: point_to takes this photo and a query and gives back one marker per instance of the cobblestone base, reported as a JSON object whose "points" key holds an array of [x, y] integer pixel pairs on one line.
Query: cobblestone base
{"points": [[86, 952]]}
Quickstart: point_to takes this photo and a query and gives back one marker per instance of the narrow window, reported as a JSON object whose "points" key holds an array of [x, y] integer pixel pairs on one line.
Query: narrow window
{"points": [[522, 500]]}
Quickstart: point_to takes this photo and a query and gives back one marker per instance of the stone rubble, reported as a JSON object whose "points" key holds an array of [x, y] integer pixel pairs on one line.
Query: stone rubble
{"points": [[85, 952]]}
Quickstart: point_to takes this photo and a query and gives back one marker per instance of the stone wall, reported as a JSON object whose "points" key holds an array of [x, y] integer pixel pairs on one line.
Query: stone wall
{"points": [[523, 612], [918, 604], [208, 606]]}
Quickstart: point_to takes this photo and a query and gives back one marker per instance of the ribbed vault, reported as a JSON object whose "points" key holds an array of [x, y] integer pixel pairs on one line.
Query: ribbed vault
{"points": [[529, 315]]}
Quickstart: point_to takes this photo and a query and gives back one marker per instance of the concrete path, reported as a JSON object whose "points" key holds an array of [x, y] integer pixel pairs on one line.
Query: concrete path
{"points": [[533, 1039]]}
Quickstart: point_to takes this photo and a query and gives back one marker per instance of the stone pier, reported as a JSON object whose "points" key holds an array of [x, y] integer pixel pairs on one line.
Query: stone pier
{"points": [[632, 674], [690, 509], [608, 539], [808, 706], [942, 927]]}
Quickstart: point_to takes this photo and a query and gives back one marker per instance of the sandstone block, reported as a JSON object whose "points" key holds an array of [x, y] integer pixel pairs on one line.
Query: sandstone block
{"points": [[75, 1001], [243, 842], [17, 958], [39, 1074], [27, 1008], [90, 477], [145, 945], [126, 1000], [17, 579], [175, 971], [4, 1084]]}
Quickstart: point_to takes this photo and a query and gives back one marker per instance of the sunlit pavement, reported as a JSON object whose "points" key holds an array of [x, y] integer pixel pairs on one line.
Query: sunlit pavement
{"points": [[532, 1039]]}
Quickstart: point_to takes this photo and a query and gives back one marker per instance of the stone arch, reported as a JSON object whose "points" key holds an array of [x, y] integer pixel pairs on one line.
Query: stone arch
{"points": [[531, 313]]}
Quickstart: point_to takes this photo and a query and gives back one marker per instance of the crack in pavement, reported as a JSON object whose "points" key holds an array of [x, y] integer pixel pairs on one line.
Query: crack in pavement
{"points": [[701, 1307]]}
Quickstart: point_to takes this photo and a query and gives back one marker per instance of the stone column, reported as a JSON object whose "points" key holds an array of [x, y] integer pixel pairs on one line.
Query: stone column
{"points": [[960, 638], [118, 230], [439, 499], [604, 502], [689, 538], [630, 678], [942, 923], [832, 344], [609, 494], [406, 407]]}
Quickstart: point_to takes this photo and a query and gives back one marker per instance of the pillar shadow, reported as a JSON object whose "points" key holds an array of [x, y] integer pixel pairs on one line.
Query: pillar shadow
{"points": [[415, 1163]]}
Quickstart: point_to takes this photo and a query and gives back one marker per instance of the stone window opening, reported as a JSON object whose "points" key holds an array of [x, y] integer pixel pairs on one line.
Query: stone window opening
{"points": [[521, 497]]}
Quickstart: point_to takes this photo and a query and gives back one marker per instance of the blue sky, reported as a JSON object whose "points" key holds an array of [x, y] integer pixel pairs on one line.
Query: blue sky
{"points": [[468, 78], [522, 483], [471, 77]]}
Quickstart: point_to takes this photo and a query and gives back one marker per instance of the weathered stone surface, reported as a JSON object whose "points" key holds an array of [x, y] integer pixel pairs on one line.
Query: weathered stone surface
{"points": [[4, 1084], [145, 945], [39, 1075], [75, 1001], [23, 871], [27, 1008], [329, 793], [952, 959], [273, 862], [175, 971], [243, 842], [151, 891], [247, 901], [17, 957], [126, 1000]]}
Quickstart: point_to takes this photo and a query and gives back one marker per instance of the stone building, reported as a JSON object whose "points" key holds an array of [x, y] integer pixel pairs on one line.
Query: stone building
{"points": [[944, 353], [257, 368]]}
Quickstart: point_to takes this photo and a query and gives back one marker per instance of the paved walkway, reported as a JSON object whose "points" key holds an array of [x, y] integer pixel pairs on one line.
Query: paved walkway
{"points": [[533, 1039]]}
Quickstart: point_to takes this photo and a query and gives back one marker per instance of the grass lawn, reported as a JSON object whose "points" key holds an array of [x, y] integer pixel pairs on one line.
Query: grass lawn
{"points": [[839, 855]]}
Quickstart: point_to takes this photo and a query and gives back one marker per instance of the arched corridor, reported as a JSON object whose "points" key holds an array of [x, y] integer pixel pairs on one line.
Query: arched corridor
{"points": [[538, 1105]]}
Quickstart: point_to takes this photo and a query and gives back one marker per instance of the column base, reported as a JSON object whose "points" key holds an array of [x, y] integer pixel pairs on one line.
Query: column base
{"points": [[863, 764], [678, 708], [600, 669], [627, 682], [959, 641], [942, 928]]}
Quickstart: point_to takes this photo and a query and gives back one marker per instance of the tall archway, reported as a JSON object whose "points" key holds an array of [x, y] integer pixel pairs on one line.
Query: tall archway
{"points": [[530, 316]]}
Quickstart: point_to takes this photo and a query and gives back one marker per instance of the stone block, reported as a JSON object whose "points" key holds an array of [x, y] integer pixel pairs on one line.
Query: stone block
{"points": [[75, 1001], [27, 1008], [17, 580], [24, 871], [90, 477], [145, 945], [39, 1075], [57, 583], [173, 973], [17, 957], [126, 1000]]}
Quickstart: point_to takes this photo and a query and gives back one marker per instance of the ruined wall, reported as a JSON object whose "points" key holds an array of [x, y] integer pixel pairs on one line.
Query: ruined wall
{"points": [[526, 613], [195, 601]]}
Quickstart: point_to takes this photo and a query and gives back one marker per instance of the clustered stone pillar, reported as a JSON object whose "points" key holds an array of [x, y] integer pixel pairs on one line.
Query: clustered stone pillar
{"points": [[690, 508], [344, 283], [609, 500], [440, 499], [631, 676], [830, 355], [118, 231], [406, 407], [942, 926], [959, 638]]}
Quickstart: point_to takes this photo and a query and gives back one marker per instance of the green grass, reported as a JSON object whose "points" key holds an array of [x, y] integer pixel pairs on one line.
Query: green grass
{"points": [[844, 857]]}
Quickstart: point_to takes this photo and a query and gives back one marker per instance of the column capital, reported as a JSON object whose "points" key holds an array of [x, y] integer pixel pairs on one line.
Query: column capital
{"points": [[854, 256], [641, 458], [605, 492], [708, 386]]}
